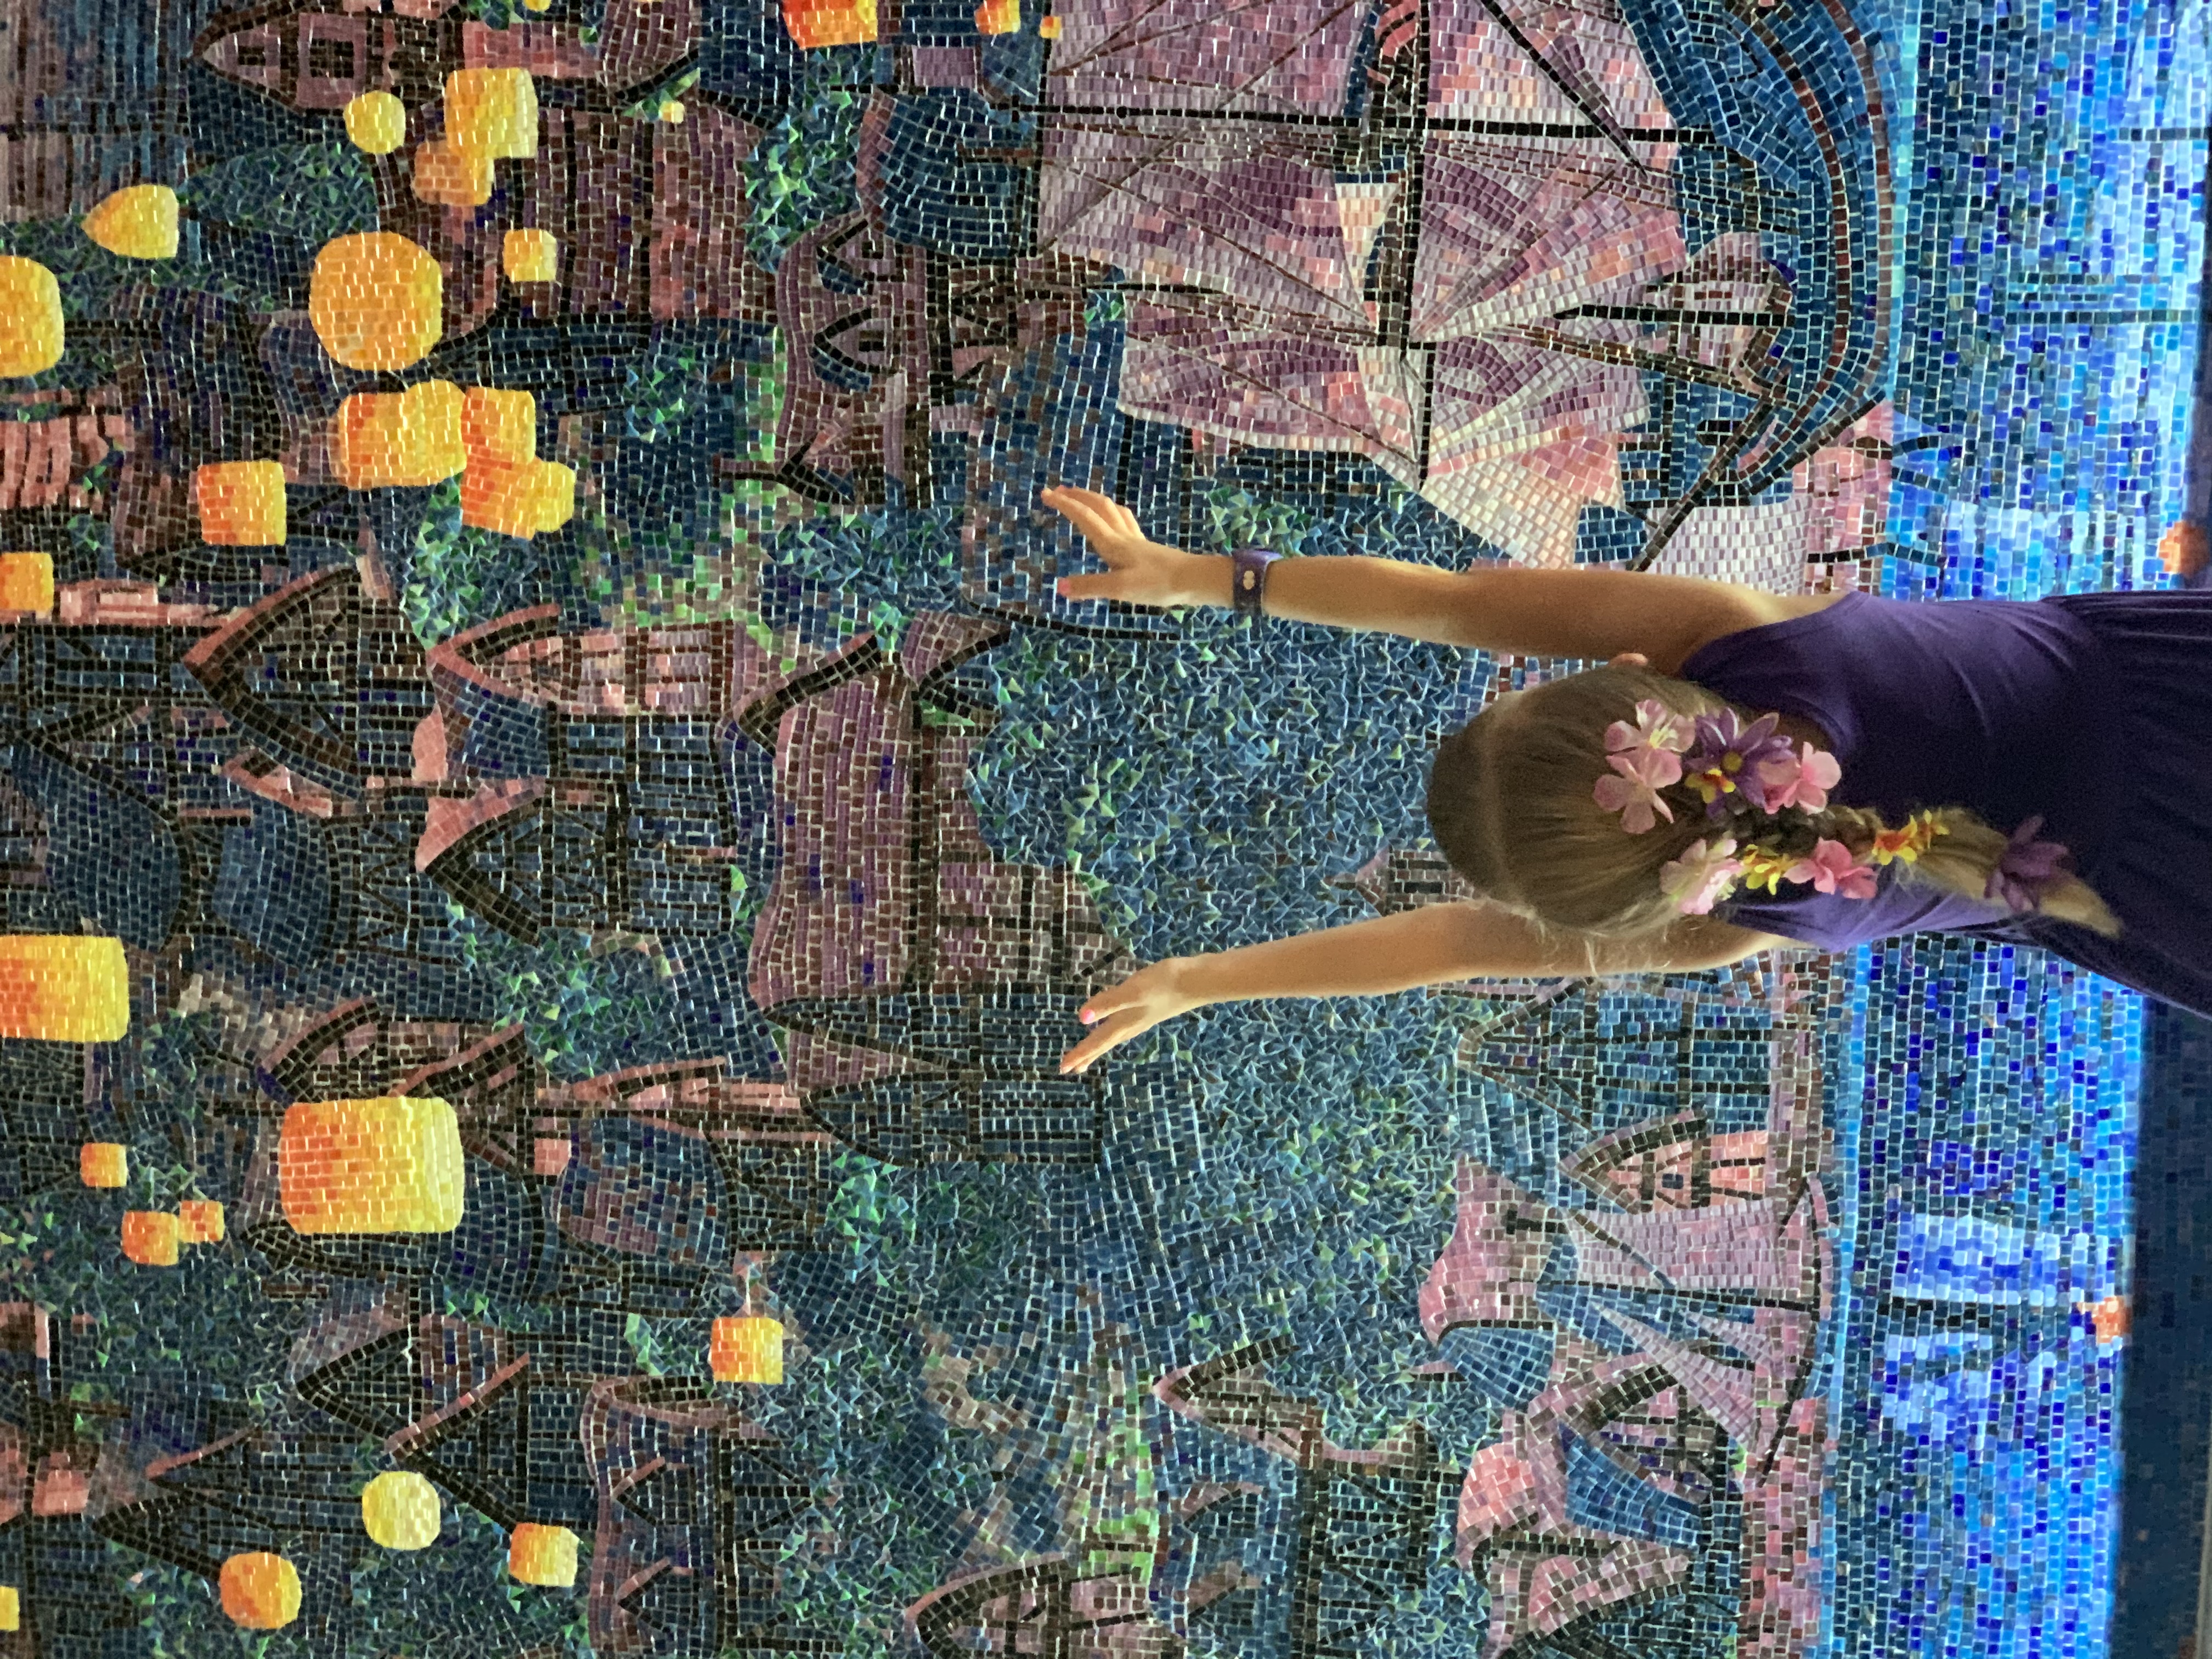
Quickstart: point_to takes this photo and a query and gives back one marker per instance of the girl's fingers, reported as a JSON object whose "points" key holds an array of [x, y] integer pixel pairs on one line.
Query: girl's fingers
{"points": [[1088, 587], [1111, 1035], [1112, 1000]]}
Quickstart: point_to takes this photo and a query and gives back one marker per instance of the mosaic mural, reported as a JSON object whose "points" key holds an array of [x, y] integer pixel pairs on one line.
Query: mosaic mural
{"points": [[556, 825]]}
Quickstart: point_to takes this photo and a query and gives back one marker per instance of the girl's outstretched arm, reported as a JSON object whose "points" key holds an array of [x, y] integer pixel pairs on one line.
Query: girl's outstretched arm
{"points": [[1434, 944], [1588, 613]]}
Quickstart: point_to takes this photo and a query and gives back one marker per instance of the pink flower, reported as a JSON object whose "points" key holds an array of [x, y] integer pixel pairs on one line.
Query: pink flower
{"points": [[1802, 780], [1834, 869], [1702, 877], [1634, 792], [1657, 727]]}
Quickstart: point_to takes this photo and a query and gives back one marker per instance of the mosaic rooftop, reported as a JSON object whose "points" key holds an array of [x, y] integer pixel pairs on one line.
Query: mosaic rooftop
{"points": [[554, 826]]}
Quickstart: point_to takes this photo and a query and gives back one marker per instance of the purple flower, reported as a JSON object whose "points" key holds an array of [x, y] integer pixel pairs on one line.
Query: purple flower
{"points": [[2027, 868], [1728, 757]]}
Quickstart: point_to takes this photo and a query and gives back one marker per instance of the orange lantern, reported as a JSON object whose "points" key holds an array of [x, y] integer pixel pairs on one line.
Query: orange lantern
{"points": [[542, 1555], [518, 498], [999, 17], [830, 22], [26, 583], [241, 503], [1049, 29], [260, 1591], [138, 222], [499, 426], [371, 1166], [64, 988], [380, 438], [748, 1350], [492, 112], [376, 299], [450, 176], [529, 255], [199, 1221], [103, 1163], [30, 317], [151, 1238]]}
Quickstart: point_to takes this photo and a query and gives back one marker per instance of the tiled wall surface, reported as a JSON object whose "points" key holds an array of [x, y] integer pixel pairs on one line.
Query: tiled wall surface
{"points": [[533, 695]]}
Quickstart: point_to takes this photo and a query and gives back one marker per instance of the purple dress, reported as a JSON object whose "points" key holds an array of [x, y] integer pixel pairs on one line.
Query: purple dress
{"points": [[2093, 710]]}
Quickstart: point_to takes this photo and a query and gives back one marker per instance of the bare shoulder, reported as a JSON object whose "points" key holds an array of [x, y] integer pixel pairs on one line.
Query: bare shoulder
{"points": [[1737, 608]]}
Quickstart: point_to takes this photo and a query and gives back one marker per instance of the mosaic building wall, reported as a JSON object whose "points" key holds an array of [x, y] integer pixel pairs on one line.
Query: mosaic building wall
{"points": [[554, 826]]}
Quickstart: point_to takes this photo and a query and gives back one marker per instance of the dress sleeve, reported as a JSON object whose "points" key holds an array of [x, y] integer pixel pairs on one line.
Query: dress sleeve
{"points": [[1829, 921]]}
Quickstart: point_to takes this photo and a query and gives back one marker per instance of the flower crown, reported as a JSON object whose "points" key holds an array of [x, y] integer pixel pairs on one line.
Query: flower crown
{"points": [[1762, 791]]}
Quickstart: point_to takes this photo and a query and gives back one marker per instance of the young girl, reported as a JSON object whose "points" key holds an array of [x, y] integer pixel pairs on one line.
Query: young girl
{"points": [[1748, 768]]}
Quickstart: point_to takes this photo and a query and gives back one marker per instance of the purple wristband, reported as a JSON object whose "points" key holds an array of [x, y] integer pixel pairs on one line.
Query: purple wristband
{"points": [[1248, 578]]}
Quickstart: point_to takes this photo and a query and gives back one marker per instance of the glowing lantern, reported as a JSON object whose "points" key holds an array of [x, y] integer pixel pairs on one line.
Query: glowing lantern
{"points": [[30, 317], [451, 177], [746, 1351], [830, 22], [401, 1510], [411, 437], [376, 299], [11, 1609], [672, 112], [1049, 29], [241, 503], [492, 112], [151, 1238], [64, 988], [103, 1163], [518, 498], [371, 1166], [531, 256], [199, 1221], [376, 122], [138, 222], [999, 17], [499, 426], [542, 1555], [260, 1591], [27, 582]]}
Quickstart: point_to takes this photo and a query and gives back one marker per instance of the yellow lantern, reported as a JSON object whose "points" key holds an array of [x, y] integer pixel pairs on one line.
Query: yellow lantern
{"points": [[392, 1165], [103, 1163], [30, 317], [830, 22], [492, 112], [401, 1510], [11, 1609], [380, 438], [747, 1349], [999, 17], [377, 123], [450, 176], [260, 1591], [241, 503], [199, 1221], [64, 988], [531, 256], [376, 299], [26, 583], [542, 1555], [138, 222], [671, 111], [151, 1238]]}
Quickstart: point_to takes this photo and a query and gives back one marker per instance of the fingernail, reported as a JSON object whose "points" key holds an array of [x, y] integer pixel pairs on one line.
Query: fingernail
{"points": [[1087, 1016]]}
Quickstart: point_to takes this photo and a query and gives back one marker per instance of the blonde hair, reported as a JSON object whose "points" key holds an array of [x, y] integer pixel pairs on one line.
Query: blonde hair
{"points": [[1511, 806]]}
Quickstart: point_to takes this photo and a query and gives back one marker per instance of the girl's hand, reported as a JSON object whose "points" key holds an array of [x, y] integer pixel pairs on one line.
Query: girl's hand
{"points": [[1129, 1009], [1138, 571]]}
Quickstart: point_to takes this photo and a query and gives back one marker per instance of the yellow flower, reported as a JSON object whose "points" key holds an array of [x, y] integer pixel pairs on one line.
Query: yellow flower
{"points": [[1909, 841]]}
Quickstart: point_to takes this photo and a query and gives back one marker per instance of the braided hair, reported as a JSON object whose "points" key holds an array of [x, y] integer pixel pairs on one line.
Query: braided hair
{"points": [[1511, 806]]}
